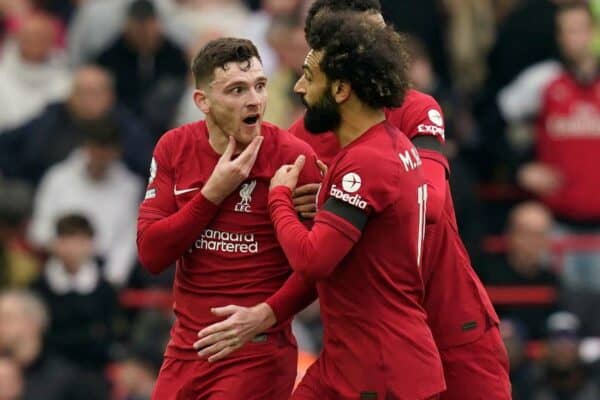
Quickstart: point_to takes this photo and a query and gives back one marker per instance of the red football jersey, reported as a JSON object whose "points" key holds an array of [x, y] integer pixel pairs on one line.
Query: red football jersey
{"points": [[236, 258], [568, 140], [376, 337], [456, 302]]}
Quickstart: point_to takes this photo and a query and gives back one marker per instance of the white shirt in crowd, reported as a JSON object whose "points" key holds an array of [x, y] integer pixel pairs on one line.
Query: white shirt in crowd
{"points": [[110, 205]]}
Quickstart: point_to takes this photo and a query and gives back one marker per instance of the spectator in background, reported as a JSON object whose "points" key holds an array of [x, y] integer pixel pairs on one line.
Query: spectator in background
{"points": [[17, 266], [566, 99], [11, 379], [564, 374], [23, 322], [82, 304], [142, 56], [525, 262], [522, 371], [31, 73], [30, 150], [93, 182], [286, 37]]}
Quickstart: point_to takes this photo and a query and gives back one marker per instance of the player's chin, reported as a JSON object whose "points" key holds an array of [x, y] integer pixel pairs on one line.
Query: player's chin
{"points": [[249, 131]]}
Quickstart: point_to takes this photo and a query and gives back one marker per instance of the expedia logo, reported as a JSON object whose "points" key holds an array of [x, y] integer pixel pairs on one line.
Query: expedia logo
{"points": [[355, 200]]}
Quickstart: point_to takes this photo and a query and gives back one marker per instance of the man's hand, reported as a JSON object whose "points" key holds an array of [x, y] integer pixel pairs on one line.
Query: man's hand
{"points": [[539, 179], [288, 174], [219, 340], [229, 174], [305, 197], [305, 200]]}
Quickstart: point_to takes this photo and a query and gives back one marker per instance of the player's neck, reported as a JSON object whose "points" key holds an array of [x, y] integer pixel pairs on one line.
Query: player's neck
{"points": [[356, 121], [218, 139]]}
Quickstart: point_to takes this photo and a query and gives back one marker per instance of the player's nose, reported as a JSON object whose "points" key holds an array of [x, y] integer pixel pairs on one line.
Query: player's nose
{"points": [[300, 86]]}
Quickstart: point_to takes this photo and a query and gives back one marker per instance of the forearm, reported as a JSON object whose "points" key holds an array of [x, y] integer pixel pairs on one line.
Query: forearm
{"points": [[162, 242], [314, 253], [294, 296]]}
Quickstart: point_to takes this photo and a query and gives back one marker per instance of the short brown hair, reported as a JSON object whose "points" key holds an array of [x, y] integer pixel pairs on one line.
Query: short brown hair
{"points": [[217, 53]]}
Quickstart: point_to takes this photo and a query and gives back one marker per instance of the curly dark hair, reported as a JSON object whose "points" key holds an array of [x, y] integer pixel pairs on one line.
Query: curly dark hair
{"points": [[339, 5], [217, 53], [370, 57]]}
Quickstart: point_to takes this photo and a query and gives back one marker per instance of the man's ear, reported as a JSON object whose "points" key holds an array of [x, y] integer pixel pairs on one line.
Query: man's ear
{"points": [[341, 91], [201, 100]]}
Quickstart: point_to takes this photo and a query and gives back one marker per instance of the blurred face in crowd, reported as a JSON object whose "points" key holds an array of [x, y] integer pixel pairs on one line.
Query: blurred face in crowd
{"points": [[512, 342], [575, 34], [11, 380], [289, 44], [528, 237], [235, 100], [421, 74], [92, 95], [36, 38], [100, 158], [73, 250], [563, 353], [322, 111], [144, 34], [21, 329], [280, 7]]}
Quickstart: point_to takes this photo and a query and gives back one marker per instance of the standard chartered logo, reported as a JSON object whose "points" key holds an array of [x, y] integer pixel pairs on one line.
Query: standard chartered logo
{"points": [[227, 242]]}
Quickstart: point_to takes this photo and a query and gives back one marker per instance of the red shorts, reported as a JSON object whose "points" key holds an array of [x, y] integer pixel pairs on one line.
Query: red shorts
{"points": [[477, 370], [311, 388], [262, 371]]}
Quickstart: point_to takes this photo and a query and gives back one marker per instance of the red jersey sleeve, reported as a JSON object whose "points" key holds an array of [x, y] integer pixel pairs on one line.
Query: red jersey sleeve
{"points": [[421, 119], [313, 253], [419, 115], [164, 232]]}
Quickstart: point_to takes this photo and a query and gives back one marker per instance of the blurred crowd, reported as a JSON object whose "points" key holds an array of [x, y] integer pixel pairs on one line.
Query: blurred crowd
{"points": [[88, 86]]}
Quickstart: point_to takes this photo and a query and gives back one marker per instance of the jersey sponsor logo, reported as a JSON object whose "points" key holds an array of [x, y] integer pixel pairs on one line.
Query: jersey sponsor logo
{"points": [[355, 200], [582, 122], [432, 130], [351, 182], [410, 159], [150, 194], [226, 242], [246, 197], [153, 170], [435, 117], [179, 192]]}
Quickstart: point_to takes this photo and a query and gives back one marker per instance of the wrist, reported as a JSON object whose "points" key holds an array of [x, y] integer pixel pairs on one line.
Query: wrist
{"points": [[267, 315], [212, 194]]}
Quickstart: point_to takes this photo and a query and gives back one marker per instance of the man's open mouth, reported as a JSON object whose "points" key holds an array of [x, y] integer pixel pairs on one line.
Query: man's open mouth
{"points": [[252, 119]]}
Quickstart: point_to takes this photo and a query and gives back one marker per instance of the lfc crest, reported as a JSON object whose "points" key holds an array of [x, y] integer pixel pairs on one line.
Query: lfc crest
{"points": [[245, 197]]}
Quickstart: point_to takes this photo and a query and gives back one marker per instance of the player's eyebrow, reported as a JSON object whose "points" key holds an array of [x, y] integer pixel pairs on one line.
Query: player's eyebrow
{"points": [[307, 70]]}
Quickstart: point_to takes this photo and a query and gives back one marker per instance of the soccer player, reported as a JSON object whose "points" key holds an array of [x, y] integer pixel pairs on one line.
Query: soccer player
{"points": [[206, 208], [460, 314], [366, 244]]}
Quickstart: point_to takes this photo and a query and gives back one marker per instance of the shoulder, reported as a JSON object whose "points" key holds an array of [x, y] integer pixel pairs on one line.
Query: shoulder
{"points": [[377, 155], [284, 142], [561, 79], [420, 114], [62, 172], [414, 100], [177, 140]]}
